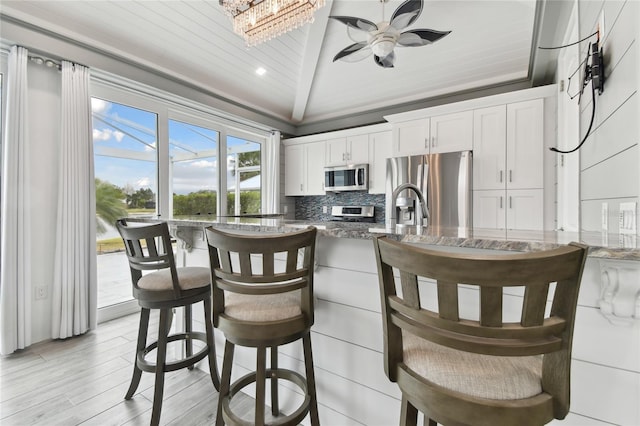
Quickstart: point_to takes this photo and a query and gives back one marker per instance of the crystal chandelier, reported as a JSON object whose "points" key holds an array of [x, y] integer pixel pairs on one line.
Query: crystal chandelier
{"points": [[260, 20]]}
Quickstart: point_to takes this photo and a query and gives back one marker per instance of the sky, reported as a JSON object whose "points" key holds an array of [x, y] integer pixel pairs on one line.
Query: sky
{"points": [[122, 131]]}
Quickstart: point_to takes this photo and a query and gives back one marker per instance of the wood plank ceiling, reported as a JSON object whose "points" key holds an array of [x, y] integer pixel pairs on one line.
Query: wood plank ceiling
{"points": [[193, 41]]}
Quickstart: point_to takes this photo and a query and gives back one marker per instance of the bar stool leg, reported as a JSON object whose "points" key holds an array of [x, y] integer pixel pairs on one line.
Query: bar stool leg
{"points": [[188, 328], [275, 409], [163, 332], [311, 380], [226, 380], [408, 413], [213, 363], [142, 342], [261, 361]]}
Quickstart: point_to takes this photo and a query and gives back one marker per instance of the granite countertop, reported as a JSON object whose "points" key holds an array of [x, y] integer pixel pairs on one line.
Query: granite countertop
{"points": [[612, 246]]}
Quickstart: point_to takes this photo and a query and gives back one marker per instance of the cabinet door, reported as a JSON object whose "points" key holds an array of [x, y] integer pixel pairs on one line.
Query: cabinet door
{"points": [[294, 170], [524, 209], [379, 151], [489, 209], [489, 147], [358, 149], [336, 151], [315, 162], [525, 132], [452, 132], [411, 137]]}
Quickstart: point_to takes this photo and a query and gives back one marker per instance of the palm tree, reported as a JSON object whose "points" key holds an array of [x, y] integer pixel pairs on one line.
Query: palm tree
{"points": [[109, 205]]}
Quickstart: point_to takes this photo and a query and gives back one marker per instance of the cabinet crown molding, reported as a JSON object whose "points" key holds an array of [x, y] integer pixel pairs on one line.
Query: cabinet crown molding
{"points": [[500, 99]]}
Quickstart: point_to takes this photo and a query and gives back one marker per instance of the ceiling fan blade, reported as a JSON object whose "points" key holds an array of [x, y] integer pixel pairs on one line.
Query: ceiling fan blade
{"points": [[357, 23], [420, 37], [406, 14], [353, 53], [385, 61]]}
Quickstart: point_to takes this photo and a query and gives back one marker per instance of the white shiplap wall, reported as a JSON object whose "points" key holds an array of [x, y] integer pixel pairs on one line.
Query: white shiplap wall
{"points": [[610, 157]]}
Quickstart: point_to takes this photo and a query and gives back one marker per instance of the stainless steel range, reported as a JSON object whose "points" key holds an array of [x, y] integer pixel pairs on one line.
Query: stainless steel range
{"points": [[353, 213]]}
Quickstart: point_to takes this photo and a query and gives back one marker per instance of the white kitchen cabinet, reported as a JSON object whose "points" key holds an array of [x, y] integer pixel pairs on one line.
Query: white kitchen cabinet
{"points": [[411, 137], [443, 133], [525, 137], [508, 146], [489, 209], [304, 169], [451, 132], [489, 147], [508, 166], [379, 151], [524, 209], [518, 209], [347, 150], [294, 170]]}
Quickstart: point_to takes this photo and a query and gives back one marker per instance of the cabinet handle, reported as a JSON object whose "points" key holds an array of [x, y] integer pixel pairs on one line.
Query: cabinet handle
{"points": [[510, 202], [426, 142], [300, 187], [510, 176], [343, 156], [500, 176], [433, 141], [501, 201]]}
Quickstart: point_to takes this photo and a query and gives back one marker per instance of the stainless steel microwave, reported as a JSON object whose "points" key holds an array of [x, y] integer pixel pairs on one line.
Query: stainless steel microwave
{"points": [[354, 177]]}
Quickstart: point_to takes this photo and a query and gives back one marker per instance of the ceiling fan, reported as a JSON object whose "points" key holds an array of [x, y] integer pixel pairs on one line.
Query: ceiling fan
{"points": [[381, 38]]}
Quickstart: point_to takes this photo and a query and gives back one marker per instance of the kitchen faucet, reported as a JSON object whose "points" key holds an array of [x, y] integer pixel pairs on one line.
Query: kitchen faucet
{"points": [[423, 203]]}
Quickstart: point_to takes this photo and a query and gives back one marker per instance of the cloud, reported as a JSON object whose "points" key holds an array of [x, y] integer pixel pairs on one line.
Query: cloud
{"points": [[106, 135], [203, 164], [144, 182], [99, 105]]}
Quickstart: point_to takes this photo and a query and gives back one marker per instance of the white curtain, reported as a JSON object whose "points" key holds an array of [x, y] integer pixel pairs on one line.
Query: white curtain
{"points": [[15, 265], [271, 180], [74, 298]]}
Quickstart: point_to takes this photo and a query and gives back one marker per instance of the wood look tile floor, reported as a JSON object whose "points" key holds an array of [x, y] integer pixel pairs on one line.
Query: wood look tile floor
{"points": [[83, 380]]}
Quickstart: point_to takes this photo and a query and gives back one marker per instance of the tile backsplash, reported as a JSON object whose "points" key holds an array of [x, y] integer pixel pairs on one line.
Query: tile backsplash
{"points": [[310, 207]]}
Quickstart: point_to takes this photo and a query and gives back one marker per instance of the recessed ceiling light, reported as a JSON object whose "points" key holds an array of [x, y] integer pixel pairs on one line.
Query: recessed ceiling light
{"points": [[261, 71]]}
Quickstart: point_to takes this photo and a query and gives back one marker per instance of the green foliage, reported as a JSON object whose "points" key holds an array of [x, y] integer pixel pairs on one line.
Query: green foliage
{"points": [[250, 202], [109, 204], [200, 202], [246, 159], [142, 198]]}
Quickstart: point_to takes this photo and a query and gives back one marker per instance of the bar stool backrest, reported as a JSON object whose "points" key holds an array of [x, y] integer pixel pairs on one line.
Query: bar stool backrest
{"points": [[262, 264], [149, 248], [436, 314]]}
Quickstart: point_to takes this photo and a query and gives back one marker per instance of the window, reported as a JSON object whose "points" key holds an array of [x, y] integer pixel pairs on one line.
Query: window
{"points": [[125, 158], [156, 154], [193, 153], [244, 159]]}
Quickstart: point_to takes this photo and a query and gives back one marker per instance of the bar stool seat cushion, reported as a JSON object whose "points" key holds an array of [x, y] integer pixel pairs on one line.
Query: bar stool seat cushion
{"points": [[189, 277], [483, 376], [262, 308]]}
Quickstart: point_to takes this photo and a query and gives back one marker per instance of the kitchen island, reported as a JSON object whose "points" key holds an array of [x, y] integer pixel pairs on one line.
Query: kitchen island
{"points": [[347, 338]]}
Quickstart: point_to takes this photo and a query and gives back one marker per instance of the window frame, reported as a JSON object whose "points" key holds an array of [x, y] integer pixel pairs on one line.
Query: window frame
{"points": [[170, 107]]}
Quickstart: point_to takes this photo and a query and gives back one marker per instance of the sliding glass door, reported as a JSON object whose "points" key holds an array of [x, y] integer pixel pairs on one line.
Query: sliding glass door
{"points": [[126, 162]]}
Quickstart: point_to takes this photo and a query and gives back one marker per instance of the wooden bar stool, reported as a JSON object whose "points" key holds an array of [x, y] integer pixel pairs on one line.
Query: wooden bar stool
{"points": [[263, 298], [148, 247], [479, 370]]}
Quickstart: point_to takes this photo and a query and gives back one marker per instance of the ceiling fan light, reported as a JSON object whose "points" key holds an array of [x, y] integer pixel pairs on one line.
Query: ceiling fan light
{"points": [[383, 48]]}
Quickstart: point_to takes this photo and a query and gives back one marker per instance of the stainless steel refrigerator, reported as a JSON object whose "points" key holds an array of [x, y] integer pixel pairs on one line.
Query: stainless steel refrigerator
{"points": [[443, 180]]}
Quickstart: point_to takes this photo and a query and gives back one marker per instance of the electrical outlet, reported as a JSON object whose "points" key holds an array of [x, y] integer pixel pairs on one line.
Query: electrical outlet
{"points": [[627, 218], [41, 292]]}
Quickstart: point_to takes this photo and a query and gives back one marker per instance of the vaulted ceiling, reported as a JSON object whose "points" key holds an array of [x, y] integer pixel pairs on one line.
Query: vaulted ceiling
{"points": [[492, 46]]}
